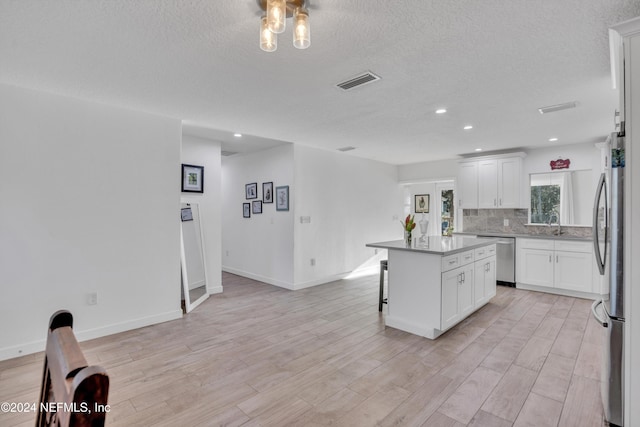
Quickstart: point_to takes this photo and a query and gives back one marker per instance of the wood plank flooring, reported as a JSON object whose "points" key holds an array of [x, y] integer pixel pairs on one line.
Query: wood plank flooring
{"points": [[258, 355]]}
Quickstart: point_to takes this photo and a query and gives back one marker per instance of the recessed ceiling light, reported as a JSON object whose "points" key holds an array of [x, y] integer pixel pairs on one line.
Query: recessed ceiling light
{"points": [[237, 135], [478, 149], [557, 107], [441, 111], [467, 127], [553, 139]]}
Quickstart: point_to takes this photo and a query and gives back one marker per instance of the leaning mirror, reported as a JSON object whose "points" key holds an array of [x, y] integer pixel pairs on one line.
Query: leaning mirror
{"points": [[194, 275], [561, 197]]}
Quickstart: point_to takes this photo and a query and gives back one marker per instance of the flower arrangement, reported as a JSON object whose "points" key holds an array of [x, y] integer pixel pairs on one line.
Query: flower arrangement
{"points": [[408, 226]]}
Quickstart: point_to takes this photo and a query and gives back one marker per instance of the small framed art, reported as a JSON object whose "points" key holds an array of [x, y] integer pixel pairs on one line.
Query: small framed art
{"points": [[282, 198], [421, 203], [251, 190], [246, 210], [192, 179], [257, 206], [267, 192]]}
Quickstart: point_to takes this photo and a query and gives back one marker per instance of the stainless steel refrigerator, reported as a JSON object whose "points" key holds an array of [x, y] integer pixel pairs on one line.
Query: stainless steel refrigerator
{"points": [[608, 240]]}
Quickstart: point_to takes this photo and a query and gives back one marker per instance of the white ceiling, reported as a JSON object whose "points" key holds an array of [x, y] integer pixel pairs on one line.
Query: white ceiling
{"points": [[491, 63]]}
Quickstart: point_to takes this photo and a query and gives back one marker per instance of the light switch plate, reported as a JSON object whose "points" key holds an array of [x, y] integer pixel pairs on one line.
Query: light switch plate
{"points": [[506, 222]]}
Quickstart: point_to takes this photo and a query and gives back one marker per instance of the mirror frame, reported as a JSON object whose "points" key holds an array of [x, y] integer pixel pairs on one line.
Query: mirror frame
{"points": [[188, 304]]}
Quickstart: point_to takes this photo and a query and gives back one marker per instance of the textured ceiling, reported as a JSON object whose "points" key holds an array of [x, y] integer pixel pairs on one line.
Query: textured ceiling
{"points": [[491, 63]]}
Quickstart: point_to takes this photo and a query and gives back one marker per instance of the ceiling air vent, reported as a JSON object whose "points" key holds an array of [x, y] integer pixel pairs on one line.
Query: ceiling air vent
{"points": [[346, 148], [228, 153], [558, 107], [360, 80]]}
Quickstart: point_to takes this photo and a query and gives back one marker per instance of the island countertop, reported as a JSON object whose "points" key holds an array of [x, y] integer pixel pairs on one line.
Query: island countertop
{"points": [[437, 245]]}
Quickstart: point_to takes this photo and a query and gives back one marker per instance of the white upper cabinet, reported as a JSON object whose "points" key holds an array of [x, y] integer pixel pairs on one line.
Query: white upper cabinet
{"points": [[509, 182], [467, 186], [488, 184], [495, 181]]}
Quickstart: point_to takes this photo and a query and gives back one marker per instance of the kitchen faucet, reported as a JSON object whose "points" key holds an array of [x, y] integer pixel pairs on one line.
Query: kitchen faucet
{"points": [[552, 214]]}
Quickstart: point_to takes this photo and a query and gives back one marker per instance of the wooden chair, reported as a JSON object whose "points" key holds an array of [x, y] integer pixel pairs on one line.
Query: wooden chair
{"points": [[72, 393]]}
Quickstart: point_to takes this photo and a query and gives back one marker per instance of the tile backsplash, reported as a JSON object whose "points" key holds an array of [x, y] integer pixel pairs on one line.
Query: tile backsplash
{"points": [[492, 221]]}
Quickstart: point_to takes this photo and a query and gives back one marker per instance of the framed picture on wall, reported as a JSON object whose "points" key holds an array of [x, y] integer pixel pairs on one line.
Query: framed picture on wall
{"points": [[192, 178], [267, 192], [257, 206], [251, 190], [246, 210], [421, 204], [282, 198]]}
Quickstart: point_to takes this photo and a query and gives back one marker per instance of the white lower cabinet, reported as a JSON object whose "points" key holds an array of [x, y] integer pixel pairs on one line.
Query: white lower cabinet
{"points": [[484, 280], [559, 264], [573, 271], [535, 267], [466, 287], [457, 295]]}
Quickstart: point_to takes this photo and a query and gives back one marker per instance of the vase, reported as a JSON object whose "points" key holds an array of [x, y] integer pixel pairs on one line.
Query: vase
{"points": [[407, 238]]}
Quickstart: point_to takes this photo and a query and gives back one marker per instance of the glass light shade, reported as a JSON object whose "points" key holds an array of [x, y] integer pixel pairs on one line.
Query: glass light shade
{"points": [[268, 40], [276, 15], [301, 30]]}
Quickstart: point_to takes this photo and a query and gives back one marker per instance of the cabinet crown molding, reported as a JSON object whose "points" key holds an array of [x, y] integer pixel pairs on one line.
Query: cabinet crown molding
{"points": [[520, 154]]}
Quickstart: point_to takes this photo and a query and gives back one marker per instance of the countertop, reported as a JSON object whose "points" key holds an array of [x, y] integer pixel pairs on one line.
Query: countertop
{"points": [[437, 245], [528, 236]]}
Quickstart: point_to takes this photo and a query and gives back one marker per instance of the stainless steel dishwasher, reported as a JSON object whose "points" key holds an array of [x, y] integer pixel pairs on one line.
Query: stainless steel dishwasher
{"points": [[505, 260]]}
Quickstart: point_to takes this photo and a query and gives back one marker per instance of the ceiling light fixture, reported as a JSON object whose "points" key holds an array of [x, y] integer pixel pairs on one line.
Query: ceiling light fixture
{"points": [[237, 135], [478, 149], [441, 111], [557, 107], [553, 139], [273, 22], [467, 127]]}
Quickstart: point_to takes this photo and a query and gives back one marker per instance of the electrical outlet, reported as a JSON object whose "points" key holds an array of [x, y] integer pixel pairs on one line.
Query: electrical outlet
{"points": [[305, 220], [92, 298], [506, 222], [313, 262], [227, 253], [375, 251]]}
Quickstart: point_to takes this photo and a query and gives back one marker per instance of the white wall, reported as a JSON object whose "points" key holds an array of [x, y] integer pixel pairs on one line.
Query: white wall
{"points": [[203, 152], [440, 170], [583, 156], [351, 202], [260, 247], [433, 190], [89, 196]]}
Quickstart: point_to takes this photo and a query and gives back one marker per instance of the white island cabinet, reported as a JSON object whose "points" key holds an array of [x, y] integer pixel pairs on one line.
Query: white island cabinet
{"points": [[433, 286]]}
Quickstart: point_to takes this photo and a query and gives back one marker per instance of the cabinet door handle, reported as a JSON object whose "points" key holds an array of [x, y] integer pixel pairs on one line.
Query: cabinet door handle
{"points": [[549, 258], [464, 277], [500, 201], [494, 202], [556, 259], [453, 261]]}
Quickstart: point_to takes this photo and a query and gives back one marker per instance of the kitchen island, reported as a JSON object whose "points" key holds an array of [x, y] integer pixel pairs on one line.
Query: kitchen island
{"points": [[435, 284]]}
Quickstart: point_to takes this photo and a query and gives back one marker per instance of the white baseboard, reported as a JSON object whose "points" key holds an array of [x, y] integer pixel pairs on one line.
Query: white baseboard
{"points": [[286, 285], [411, 327], [214, 290], [556, 291], [259, 278], [36, 346]]}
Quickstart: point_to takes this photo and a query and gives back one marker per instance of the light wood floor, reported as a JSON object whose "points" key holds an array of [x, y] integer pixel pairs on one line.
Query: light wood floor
{"points": [[258, 355]]}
